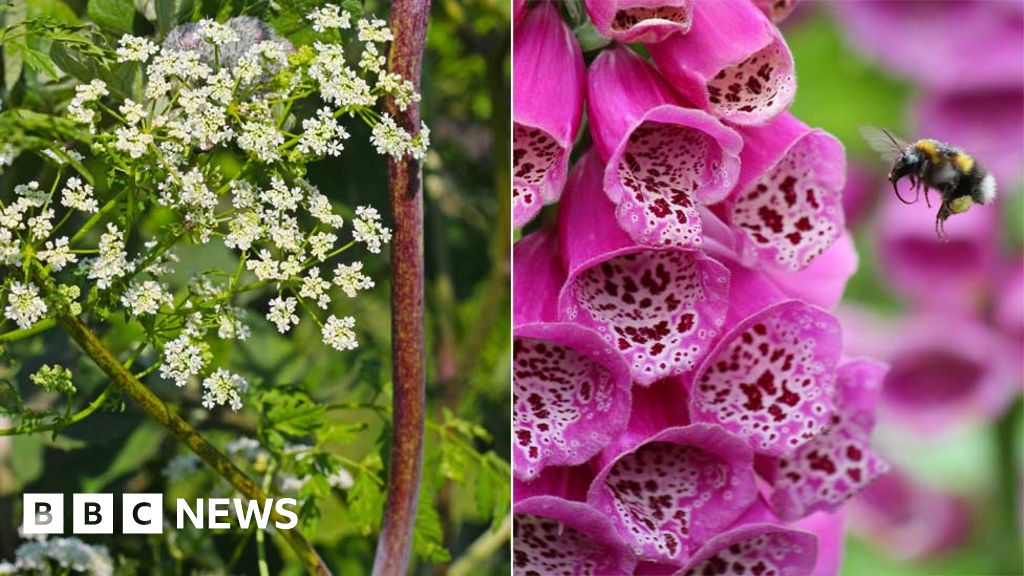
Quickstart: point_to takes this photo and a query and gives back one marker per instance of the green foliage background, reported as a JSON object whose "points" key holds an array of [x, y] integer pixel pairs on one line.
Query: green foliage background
{"points": [[465, 494]]}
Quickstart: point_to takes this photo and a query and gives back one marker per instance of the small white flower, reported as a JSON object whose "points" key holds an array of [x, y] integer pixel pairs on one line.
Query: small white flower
{"points": [[351, 279], [145, 298], [41, 224], [216, 33], [329, 17], [24, 306], [223, 387], [10, 248], [261, 138], [85, 94], [322, 135], [70, 554], [366, 228], [230, 325], [403, 90], [315, 288], [374, 30], [78, 195], [31, 194], [135, 49], [321, 243], [112, 262], [280, 196], [389, 138], [338, 333], [183, 359], [265, 267], [57, 254], [282, 313], [244, 229], [132, 141], [341, 479]]}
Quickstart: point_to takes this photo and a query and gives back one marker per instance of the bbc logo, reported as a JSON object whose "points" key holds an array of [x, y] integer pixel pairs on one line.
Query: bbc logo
{"points": [[92, 514]]}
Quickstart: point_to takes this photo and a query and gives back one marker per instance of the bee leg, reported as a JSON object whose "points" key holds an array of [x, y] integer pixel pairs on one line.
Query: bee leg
{"points": [[897, 191], [940, 222], [927, 198]]}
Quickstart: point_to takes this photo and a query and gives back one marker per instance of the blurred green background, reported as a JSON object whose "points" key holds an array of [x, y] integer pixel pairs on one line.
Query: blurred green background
{"points": [[840, 90], [464, 497]]}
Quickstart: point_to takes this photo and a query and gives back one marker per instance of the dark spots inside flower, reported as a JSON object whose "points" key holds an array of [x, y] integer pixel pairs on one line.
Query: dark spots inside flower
{"points": [[546, 547], [628, 18], [754, 84], [534, 152]]}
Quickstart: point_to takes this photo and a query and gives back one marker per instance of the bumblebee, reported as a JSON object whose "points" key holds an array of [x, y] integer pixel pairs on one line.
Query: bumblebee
{"points": [[932, 165]]}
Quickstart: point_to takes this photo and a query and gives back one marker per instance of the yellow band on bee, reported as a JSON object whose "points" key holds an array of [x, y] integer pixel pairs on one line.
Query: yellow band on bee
{"points": [[930, 148], [964, 162], [960, 205]]}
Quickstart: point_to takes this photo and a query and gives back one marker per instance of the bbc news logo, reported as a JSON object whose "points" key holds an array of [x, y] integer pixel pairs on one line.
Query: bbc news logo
{"points": [[144, 513]]}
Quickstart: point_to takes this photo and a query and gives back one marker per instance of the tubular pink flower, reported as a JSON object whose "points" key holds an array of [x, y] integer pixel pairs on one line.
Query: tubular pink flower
{"points": [[548, 76], [556, 536], [756, 549], [941, 275], [833, 466], [823, 282], [909, 519], [788, 200], [771, 379], [675, 491], [567, 482], [661, 405], [518, 8], [946, 45], [660, 308], [662, 159], [571, 389], [631, 21], [733, 63], [938, 383], [777, 10]]}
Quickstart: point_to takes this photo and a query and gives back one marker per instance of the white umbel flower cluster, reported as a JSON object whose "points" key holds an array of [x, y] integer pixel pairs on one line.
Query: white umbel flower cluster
{"points": [[145, 298], [24, 306], [338, 333], [368, 229], [223, 388], [68, 554], [135, 49]]}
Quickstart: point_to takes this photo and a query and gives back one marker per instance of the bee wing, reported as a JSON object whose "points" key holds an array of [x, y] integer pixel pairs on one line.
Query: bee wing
{"points": [[883, 142]]}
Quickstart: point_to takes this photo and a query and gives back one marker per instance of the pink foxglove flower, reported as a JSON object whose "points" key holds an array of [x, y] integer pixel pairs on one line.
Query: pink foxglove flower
{"points": [[788, 199], [941, 275], [835, 464], [557, 536], [941, 44], [659, 307], [640, 20], [771, 379], [518, 8], [910, 519], [733, 63], [662, 160], [548, 76], [675, 491], [571, 388]]}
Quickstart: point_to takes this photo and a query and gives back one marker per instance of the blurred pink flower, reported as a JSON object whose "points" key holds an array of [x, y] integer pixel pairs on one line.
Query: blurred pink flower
{"points": [[908, 519], [777, 10], [548, 80], [662, 160], [947, 44], [733, 63], [640, 20]]}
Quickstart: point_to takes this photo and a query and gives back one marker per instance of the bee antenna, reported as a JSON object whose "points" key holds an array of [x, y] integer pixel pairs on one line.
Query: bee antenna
{"points": [[891, 137]]}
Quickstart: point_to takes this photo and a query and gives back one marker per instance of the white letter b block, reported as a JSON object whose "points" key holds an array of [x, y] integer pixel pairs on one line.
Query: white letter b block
{"points": [[93, 514], [42, 514]]}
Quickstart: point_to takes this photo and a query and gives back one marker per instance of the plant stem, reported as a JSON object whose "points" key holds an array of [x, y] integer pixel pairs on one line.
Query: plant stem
{"points": [[408, 22], [1009, 446], [482, 550], [15, 335]]}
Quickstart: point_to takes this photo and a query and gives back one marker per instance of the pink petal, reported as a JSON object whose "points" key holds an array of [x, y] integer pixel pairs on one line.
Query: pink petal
{"points": [[660, 308], [777, 10], [555, 536], [825, 472], [831, 531], [664, 404], [548, 76], [770, 380], [571, 389], [676, 490], [823, 282], [950, 274], [518, 8], [733, 63], [788, 203], [566, 482], [631, 21], [764, 549], [661, 159]]}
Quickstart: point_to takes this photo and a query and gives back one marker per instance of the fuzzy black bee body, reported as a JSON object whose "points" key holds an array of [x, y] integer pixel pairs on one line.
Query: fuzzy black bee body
{"points": [[932, 165]]}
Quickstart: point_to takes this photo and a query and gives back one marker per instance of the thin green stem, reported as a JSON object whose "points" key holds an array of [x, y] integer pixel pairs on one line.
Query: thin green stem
{"points": [[38, 327]]}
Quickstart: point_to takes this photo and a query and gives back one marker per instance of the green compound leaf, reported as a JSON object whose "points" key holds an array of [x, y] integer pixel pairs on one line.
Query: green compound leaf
{"points": [[113, 15]]}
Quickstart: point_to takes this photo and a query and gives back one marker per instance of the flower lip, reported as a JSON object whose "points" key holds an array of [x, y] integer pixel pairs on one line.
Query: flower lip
{"points": [[756, 549], [746, 77], [557, 536], [771, 379], [621, 289], [630, 21], [675, 490]]}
